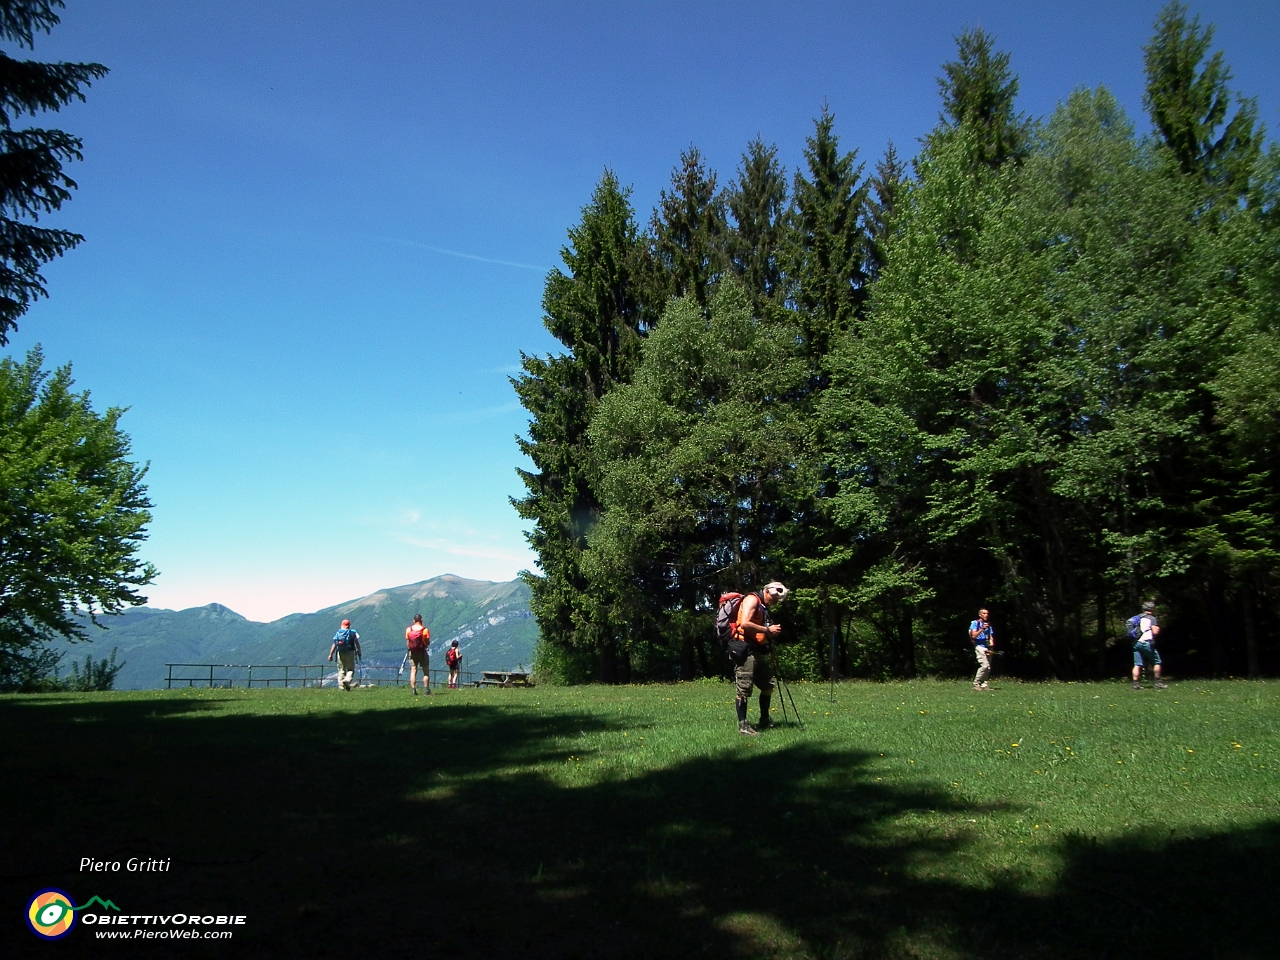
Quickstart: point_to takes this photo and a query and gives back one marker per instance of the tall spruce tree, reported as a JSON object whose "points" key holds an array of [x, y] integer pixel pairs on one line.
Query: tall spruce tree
{"points": [[32, 179], [827, 264], [978, 91], [886, 187], [593, 307], [829, 244], [1188, 100], [688, 235], [757, 200]]}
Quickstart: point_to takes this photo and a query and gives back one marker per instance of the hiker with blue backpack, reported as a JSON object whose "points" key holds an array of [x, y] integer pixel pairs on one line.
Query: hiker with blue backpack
{"points": [[984, 643], [1143, 630], [743, 626], [346, 645]]}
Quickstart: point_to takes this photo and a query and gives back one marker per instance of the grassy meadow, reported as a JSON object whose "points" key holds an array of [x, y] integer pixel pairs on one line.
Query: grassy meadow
{"points": [[915, 819]]}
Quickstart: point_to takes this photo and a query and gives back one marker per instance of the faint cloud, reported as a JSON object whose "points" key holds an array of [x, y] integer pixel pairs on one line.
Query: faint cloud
{"points": [[465, 549], [445, 251]]}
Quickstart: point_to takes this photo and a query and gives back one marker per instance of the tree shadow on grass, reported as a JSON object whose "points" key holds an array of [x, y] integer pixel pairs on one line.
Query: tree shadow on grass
{"points": [[412, 832]]}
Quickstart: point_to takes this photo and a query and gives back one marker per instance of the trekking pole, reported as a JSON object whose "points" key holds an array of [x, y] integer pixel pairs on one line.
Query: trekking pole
{"points": [[777, 674], [400, 672], [785, 691], [786, 688]]}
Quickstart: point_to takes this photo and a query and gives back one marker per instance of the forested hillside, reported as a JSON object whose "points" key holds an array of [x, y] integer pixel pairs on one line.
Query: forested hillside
{"points": [[1035, 368]]}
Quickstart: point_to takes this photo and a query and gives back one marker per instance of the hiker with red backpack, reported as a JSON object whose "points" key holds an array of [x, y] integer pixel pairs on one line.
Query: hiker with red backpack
{"points": [[743, 625], [418, 638], [453, 660]]}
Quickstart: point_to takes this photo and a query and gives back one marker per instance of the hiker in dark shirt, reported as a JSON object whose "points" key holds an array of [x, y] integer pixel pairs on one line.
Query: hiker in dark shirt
{"points": [[453, 660]]}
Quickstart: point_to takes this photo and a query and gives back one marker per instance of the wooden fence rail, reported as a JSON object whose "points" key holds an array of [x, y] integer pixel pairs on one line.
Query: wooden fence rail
{"points": [[292, 675]]}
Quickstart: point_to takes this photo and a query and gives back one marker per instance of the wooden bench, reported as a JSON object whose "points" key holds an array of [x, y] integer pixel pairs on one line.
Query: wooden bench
{"points": [[504, 678]]}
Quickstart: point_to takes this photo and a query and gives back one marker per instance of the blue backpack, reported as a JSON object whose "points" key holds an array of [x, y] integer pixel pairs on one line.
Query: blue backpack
{"points": [[343, 638], [1133, 626]]}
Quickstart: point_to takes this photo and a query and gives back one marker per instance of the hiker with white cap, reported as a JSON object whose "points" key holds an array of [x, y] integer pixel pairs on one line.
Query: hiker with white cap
{"points": [[754, 630]]}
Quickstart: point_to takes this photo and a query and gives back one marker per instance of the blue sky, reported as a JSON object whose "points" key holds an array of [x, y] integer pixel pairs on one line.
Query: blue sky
{"points": [[317, 233]]}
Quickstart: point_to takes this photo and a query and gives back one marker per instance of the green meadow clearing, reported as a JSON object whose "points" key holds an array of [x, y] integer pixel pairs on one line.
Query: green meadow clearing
{"points": [[912, 819]]}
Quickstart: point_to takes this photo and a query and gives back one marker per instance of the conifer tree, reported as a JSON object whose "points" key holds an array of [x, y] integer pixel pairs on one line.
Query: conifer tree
{"points": [[1188, 100], [885, 190], [689, 235], [829, 246], [978, 91], [594, 309], [32, 180], [757, 200]]}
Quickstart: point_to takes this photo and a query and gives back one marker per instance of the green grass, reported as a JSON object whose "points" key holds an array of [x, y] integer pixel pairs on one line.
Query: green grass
{"points": [[904, 820]]}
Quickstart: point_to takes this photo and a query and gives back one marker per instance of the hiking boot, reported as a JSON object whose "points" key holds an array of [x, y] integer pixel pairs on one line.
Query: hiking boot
{"points": [[414, 691], [983, 686], [1137, 685], [748, 729], [1160, 685], [764, 724]]}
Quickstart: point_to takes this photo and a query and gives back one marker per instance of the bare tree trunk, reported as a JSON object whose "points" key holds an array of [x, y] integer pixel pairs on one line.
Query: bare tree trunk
{"points": [[907, 643], [1250, 631], [1102, 631], [1218, 624], [833, 619], [609, 662], [704, 661], [686, 659]]}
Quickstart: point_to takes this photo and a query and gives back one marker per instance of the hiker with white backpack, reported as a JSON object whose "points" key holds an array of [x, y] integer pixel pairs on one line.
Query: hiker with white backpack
{"points": [[1143, 630]]}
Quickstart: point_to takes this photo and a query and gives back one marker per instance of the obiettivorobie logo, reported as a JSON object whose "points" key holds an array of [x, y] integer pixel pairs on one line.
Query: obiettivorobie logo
{"points": [[51, 916]]}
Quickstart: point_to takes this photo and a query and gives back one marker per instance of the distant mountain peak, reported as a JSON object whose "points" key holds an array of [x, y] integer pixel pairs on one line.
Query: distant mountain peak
{"points": [[217, 611]]}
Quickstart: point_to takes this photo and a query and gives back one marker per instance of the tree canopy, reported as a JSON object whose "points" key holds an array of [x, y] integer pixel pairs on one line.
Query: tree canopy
{"points": [[72, 517], [1034, 369]]}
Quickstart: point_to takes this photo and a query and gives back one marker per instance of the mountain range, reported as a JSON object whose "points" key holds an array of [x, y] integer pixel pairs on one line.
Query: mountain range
{"points": [[491, 621]]}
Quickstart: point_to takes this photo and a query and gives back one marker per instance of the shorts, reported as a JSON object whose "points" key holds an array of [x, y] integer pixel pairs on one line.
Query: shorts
{"points": [[1145, 651], [420, 658]]}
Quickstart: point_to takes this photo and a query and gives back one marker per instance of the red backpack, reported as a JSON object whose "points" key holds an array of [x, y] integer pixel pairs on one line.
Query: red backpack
{"points": [[727, 634], [417, 637], [452, 656]]}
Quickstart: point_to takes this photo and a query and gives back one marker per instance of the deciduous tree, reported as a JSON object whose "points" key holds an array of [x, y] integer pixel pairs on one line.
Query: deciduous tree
{"points": [[73, 513]]}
